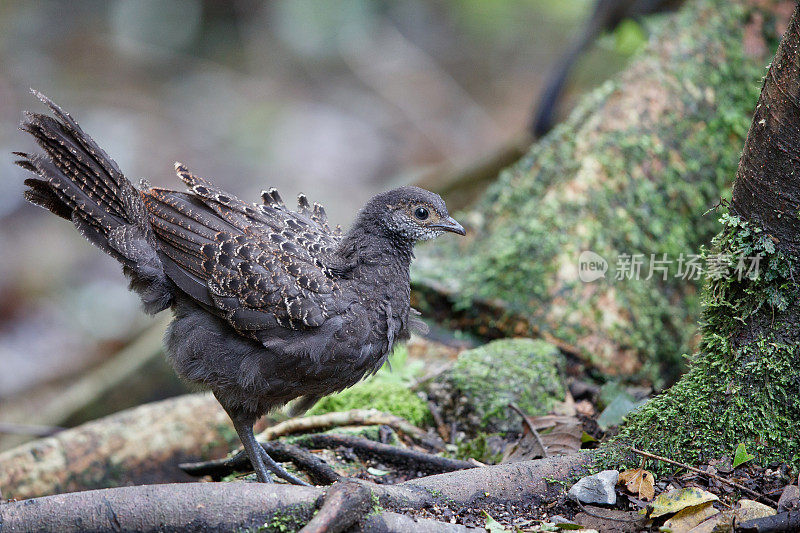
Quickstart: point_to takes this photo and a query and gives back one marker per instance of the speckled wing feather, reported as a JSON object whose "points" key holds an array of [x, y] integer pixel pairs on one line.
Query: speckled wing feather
{"points": [[259, 266]]}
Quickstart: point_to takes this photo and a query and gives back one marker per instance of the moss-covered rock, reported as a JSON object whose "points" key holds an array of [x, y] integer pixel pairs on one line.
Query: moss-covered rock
{"points": [[477, 390], [744, 384], [630, 172], [389, 397]]}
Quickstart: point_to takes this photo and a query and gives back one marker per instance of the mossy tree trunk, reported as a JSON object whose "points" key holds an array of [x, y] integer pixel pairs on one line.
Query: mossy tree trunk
{"points": [[631, 172], [744, 385]]}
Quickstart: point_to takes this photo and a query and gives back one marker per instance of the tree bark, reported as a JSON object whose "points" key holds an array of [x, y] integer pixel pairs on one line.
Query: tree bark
{"points": [[744, 385], [276, 507], [631, 172], [141, 445]]}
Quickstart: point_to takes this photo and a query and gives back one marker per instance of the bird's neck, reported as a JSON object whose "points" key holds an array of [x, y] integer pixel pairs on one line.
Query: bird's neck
{"points": [[366, 247]]}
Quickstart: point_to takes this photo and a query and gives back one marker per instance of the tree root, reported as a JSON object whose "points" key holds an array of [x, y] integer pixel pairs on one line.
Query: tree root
{"points": [[179, 506], [318, 470], [354, 417], [345, 503], [365, 448], [229, 506]]}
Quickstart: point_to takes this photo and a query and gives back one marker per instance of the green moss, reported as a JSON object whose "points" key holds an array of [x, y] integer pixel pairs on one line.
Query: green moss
{"points": [[395, 398], [477, 390], [744, 383], [377, 508], [288, 520], [613, 186], [478, 448]]}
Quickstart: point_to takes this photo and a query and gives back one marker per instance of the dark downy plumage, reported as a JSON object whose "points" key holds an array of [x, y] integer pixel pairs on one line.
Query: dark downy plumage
{"points": [[270, 305]]}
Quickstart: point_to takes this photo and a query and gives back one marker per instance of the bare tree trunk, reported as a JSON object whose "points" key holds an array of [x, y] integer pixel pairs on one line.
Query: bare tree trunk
{"points": [[744, 385]]}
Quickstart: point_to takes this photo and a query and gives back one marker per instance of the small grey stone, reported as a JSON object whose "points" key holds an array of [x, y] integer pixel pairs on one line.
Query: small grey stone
{"points": [[598, 488]]}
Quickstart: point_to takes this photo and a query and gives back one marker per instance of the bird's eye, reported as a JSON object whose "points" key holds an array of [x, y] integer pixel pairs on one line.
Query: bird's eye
{"points": [[421, 213]]}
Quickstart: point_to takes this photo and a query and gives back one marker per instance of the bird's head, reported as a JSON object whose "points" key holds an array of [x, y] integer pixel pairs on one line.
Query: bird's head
{"points": [[410, 214]]}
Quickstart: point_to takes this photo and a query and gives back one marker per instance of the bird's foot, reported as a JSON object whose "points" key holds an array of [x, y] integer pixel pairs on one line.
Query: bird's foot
{"points": [[278, 470]]}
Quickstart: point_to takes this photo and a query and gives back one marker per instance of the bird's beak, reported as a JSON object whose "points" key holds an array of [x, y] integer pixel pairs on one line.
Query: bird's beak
{"points": [[451, 225]]}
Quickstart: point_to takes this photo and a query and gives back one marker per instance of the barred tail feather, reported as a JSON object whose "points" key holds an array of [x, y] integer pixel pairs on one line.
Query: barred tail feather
{"points": [[78, 181]]}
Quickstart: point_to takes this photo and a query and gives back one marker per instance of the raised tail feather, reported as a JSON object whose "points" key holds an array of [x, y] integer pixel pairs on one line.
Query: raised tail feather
{"points": [[78, 181]]}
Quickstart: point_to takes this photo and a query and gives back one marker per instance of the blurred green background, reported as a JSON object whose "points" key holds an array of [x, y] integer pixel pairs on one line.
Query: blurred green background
{"points": [[336, 99]]}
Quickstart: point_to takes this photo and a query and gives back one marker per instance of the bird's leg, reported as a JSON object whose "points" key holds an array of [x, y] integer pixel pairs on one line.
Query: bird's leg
{"points": [[244, 427], [259, 458]]}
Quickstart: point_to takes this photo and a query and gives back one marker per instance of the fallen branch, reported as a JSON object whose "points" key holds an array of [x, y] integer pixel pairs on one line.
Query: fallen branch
{"points": [[365, 448], [235, 505], [354, 417], [230, 506], [319, 472], [135, 446], [709, 474]]}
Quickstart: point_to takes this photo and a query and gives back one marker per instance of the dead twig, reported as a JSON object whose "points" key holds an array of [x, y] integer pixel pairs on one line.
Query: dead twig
{"points": [[530, 427], [354, 417], [441, 427], [709, 474]]}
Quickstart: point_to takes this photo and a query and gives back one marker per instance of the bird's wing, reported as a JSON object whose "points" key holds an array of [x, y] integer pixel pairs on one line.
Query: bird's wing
{"points": [[259, 266]]}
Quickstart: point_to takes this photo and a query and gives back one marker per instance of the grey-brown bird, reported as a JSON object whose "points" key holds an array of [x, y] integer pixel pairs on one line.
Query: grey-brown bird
{"points": [[270, 305]]}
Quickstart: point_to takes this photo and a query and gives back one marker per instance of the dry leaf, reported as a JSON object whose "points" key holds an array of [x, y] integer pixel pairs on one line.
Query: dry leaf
{"points": [[639, 482], [564, 438], [677, 500], [690, 517], [559, 434], [526, 448]]}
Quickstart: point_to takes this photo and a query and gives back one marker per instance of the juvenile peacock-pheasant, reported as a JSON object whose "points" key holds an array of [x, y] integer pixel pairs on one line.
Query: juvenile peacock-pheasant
{"points": [[270, 305]]}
